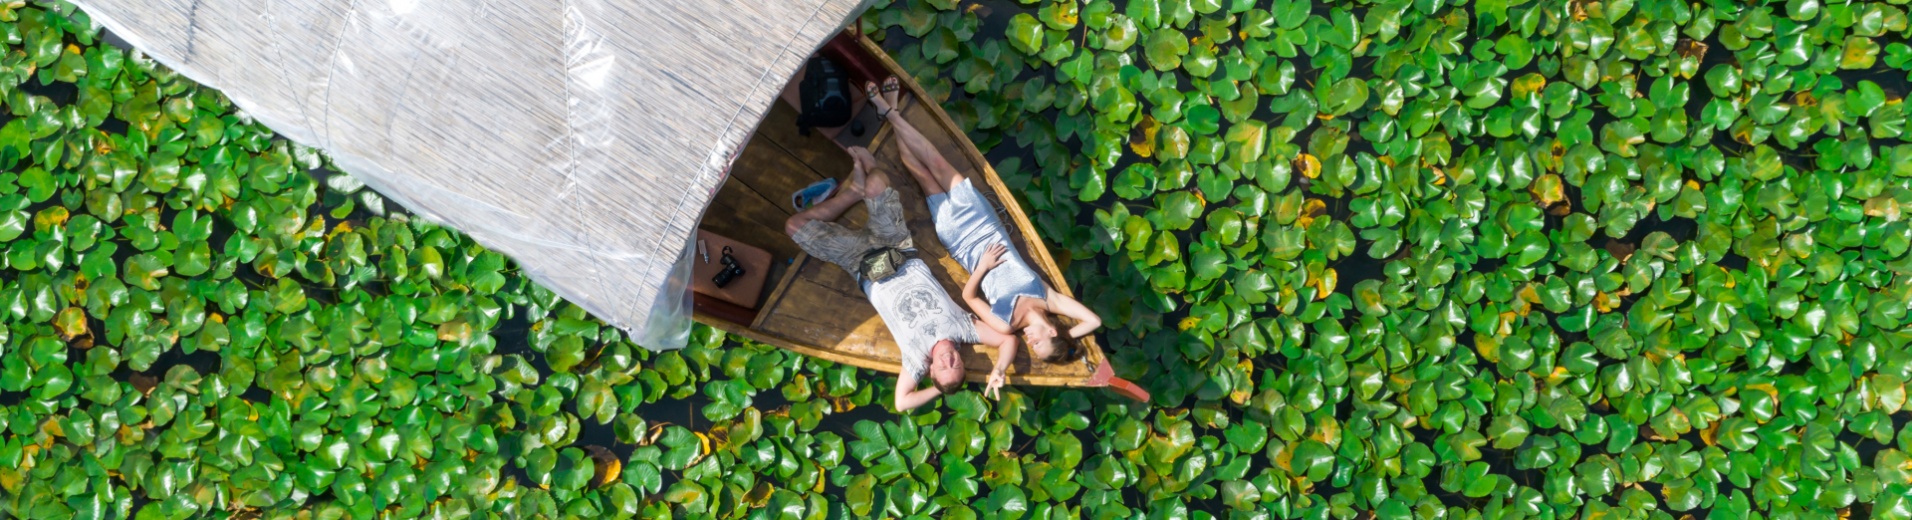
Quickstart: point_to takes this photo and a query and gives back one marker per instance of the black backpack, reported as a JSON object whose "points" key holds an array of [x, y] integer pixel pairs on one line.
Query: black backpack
{"points": [[825, 96]]}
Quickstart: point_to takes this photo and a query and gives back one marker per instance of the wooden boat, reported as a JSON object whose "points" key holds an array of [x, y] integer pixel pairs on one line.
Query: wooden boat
{"points": [[813, 307]]}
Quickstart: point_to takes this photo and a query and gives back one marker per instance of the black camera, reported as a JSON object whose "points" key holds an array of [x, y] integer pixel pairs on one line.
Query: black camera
{"points": [[731, 271]]}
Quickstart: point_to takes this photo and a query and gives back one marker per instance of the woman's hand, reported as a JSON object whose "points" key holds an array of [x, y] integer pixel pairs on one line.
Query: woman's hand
{"points": [[992, 257], [996, 381]]}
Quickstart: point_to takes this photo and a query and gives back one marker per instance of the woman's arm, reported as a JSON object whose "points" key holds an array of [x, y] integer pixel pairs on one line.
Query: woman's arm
{"points": [[972, 290], [908, 396], [1086, 320], [980, 307]]}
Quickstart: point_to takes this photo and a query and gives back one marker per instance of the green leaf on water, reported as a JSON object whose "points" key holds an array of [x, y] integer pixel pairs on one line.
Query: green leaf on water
{"points": [[1025, 33], [1122, 34], [1165, 48]]}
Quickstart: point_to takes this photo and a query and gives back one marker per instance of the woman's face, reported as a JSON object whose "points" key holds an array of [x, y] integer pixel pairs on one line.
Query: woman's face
{"points": [[1038, 330]]}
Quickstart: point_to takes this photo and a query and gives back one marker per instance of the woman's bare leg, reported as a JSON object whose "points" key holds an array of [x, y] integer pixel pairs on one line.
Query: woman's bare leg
{"points": [[917, 169], [926, 153], [886, 102], [933, 171]]}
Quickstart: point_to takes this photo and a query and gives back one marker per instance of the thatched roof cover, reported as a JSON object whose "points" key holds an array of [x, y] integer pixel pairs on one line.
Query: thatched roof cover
{"points": [[582, 137]]}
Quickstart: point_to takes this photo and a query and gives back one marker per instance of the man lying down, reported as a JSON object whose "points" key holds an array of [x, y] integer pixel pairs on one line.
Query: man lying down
{"points": [[930, 327]]}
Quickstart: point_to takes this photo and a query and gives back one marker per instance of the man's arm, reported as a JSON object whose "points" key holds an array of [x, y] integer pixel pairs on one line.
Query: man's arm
{"points": [[1086, 320], [908, 396], [1004, 342], [1006, 353]]}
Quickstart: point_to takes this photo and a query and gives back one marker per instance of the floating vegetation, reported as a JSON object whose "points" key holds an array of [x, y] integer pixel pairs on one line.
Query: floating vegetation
{"points": [[1638, 259], [1424, 258]]}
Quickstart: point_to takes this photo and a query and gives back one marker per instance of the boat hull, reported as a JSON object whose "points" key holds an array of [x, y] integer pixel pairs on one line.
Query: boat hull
{"points": [[815, 308]]}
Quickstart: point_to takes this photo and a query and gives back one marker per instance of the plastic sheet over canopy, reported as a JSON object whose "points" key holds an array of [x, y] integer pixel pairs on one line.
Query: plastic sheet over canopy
{"points": [[582, 137]]}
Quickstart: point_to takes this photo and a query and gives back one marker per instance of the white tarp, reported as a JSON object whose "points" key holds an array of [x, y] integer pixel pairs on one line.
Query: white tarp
{"points": [[584, 138]]}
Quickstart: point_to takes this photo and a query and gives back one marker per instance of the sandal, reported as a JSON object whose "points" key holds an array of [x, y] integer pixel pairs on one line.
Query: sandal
{"points": [[871, 93], [892, 84]]}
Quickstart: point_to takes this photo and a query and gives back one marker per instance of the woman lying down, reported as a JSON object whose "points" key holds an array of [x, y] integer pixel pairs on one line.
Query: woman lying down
{"points": [[1002, 288]]}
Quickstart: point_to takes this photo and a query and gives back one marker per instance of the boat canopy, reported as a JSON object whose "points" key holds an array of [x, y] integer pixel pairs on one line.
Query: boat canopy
{"points": [[584, 138]]}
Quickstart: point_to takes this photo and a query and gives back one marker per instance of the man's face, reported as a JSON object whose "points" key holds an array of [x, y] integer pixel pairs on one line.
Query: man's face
{"points": [[946, 364]]}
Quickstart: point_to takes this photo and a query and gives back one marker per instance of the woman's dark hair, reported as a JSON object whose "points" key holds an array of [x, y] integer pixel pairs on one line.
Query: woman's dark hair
{"points": [[1062, 348]]}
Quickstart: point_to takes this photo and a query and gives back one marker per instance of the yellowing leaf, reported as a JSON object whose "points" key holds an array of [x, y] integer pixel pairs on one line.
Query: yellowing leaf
{"points": [[760, 495], [1488, 347], [456, 331], [1527, 85], [1308, 165], [342, 228], [50, 217], [1605, 302], [1142, 137], [71, 322], [1325, 285], [1241, 392], [606, 464], [1309, 210], [1548, 190], [704, 441]]}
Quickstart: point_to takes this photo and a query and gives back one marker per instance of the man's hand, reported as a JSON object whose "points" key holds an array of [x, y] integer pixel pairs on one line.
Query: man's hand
{"points": [[992, 257], [996, 381]]}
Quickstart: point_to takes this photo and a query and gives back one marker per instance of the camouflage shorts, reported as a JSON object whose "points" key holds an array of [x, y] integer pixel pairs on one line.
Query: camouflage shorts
{"points": [[845, 247]]}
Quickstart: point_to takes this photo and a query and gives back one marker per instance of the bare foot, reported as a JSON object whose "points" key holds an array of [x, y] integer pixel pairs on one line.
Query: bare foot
{"points": [[864, 162]]}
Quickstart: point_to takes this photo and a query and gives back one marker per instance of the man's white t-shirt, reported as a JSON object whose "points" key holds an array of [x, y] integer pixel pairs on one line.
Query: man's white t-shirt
{"points": [[919, 313]]}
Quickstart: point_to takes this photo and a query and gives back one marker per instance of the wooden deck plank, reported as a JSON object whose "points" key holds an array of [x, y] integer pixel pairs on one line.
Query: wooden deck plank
{"points": [[782, 281], [823, 314], [772, 171], [779, 127], [775, 173], [740, 213]]}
